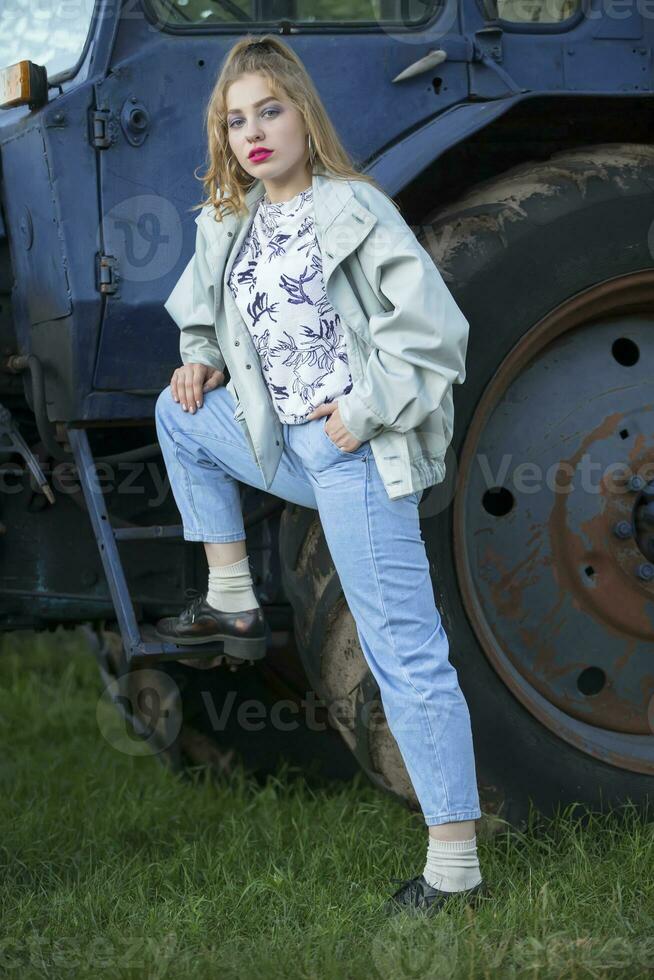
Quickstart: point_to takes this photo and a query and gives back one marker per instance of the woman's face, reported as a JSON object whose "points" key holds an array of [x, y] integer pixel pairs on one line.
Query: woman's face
{"points": [[274, 124]]}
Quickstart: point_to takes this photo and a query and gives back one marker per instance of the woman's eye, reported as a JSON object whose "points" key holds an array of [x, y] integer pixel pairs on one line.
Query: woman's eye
{"points": [[238, 119]]}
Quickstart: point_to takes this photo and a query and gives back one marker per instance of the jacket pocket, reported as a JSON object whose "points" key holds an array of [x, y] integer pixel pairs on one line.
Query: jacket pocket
{"points": [[335, 448]]}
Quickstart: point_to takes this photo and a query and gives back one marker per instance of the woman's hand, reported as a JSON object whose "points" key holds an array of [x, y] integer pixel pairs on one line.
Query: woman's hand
{"points": [[334, 427], [190, 381]]}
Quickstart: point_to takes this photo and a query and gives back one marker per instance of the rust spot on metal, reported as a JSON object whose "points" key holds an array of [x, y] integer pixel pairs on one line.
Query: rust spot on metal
{"points": [[611, 595]]}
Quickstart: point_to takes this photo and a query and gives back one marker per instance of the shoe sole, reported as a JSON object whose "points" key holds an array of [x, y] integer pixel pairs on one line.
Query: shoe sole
{"points": [[240, 647]]}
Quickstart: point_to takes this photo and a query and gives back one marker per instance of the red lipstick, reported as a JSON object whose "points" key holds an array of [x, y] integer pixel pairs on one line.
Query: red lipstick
{"points": [[259, 154]]}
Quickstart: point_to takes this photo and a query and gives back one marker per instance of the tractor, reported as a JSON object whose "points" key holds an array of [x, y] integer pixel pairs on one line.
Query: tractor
{"points": [[516, 136]]}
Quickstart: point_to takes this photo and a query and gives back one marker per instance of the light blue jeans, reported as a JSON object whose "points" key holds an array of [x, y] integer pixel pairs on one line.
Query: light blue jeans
{"points": [[379, 555]]}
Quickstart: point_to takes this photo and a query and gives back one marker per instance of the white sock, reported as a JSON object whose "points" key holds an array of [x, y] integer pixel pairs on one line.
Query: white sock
{"points": [[452, 865], [230, 587]]}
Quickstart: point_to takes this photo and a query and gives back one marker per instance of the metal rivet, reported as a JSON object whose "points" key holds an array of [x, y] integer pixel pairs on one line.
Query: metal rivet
{"points": [[248, 365], [276, 442], [230, 234], [622, 530], [636, 483], [236, 343]]}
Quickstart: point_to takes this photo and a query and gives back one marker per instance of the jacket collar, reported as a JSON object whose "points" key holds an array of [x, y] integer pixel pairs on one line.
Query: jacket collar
{"points": [[341, 221], [330, 196]]}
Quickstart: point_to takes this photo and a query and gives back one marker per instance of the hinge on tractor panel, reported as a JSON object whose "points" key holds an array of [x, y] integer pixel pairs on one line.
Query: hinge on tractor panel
{"points": [[100, 134], [107, 273], [488, 52], [489, 42]]}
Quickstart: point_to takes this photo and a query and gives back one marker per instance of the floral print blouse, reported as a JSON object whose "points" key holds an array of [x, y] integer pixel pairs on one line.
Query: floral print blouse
{"points": [[277, 283]]}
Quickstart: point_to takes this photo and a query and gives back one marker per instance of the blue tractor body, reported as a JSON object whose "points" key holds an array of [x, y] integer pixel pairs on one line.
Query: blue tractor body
{"points": [[467, 114]]}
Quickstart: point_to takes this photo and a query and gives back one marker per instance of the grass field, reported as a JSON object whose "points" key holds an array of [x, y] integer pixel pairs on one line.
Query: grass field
{"points": [[113, 866]]}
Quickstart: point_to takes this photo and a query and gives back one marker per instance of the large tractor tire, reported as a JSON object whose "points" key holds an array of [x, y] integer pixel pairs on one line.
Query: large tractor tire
{"points": [[540, 537], [190, 715]]}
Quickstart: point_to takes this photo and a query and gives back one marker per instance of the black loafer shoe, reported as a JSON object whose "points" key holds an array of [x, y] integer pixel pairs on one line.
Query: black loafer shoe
{"points": [[417, 896], [243, 634]]}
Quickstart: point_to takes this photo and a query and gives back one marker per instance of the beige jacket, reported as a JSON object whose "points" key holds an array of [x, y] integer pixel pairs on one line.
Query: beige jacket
{"points": [[405, 335]]}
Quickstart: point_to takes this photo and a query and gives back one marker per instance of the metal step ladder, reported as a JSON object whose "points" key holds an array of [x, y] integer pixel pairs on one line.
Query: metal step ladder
{"points": [[141, 644]]}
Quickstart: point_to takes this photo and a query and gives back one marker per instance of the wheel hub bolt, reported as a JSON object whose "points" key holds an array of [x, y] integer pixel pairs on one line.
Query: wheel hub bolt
{"points": [[645, 571], [622, 530]]}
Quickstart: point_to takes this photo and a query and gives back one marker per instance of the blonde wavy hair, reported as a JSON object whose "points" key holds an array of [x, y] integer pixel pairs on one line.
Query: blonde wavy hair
{"points": [[225, 181]]}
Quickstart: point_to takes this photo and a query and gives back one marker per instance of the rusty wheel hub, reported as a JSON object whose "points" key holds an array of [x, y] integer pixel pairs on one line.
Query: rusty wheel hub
{"points": [[554, 521]]}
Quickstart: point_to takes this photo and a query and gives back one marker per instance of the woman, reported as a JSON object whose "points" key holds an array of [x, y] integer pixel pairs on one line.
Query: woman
{"points": [[345, 408]]}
